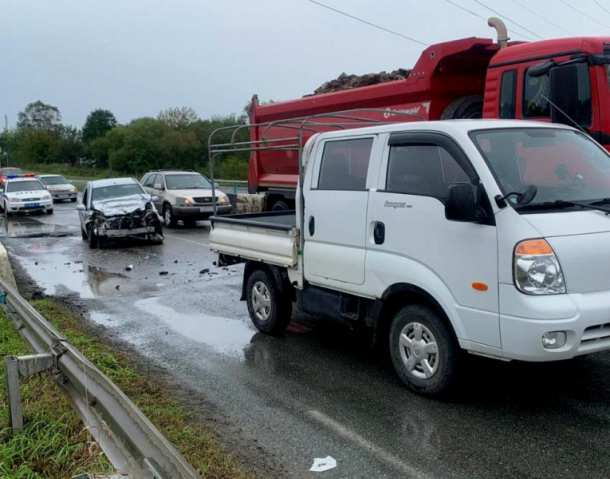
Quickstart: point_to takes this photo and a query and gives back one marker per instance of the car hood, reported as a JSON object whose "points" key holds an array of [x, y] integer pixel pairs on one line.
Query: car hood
{"points": [[61, 187], [27, 194], [196, 193], [581, 241], [122, 205]]}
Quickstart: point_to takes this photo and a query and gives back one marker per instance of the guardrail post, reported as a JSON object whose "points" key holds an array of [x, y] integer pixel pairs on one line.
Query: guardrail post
{"points": [[18, 368], [15, 413]]}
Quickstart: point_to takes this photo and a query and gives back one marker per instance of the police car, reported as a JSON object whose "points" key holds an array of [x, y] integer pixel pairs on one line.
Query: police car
{"points": [[24, 195]]}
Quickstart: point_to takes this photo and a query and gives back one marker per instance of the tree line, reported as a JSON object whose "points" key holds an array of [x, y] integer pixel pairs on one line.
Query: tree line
{"points": [[176, 138]]}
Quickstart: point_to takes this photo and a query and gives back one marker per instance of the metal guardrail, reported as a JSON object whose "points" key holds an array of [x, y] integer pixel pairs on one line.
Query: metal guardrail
{"points": [[130, 441]]}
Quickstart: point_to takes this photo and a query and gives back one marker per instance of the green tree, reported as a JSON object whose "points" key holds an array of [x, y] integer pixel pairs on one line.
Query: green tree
{"points": [[98, 123], [178, 117], [40, 116]]}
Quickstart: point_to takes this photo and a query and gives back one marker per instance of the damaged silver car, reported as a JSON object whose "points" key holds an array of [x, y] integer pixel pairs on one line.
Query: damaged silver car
{"points": [[118, 208]]}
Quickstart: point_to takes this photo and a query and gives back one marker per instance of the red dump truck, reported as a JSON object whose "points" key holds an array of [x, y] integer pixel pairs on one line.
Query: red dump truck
{"points": [[563, 80]]}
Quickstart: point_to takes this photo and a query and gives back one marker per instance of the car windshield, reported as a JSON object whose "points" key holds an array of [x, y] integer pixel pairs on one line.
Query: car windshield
{"points": [[16, 186], [187, 182], [562, 165], [115, 191], [53, 180], [11, 171]]}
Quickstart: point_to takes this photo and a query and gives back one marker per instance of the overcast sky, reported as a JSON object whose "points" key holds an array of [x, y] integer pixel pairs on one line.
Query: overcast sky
{"points": [[136, 57]]}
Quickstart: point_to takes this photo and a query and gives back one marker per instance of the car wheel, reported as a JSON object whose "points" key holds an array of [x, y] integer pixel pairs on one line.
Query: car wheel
{"points": [[425, 353], [83, 234], [49, 211], [269, 310], [280, 206], [92, 237], [168, 216]]}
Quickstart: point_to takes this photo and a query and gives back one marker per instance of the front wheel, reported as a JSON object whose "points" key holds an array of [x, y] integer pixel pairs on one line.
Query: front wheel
{"points": [[92, 237], [168, 216], [425, 353], [269, 310]]}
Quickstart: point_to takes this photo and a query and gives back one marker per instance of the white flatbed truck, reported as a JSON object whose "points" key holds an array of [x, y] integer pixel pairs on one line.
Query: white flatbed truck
{"points": [[488, 237]]}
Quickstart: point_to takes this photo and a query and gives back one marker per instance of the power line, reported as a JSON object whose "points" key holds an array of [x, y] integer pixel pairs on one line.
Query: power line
{"points": [[599, 4], [584, 14], [366, 22], [508, 18], [468, 10], [540, 17]]}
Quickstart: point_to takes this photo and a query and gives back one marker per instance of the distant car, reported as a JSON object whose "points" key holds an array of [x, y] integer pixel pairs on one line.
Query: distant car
{"points": [[25, 195], [11, 171], [118, 208], [184, 195], [60, 188]]}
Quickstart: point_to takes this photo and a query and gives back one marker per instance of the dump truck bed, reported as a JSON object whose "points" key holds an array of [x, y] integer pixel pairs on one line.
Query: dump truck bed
{"points": [[267, 237]]}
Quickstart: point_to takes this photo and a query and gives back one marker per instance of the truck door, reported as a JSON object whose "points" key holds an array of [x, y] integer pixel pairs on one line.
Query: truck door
{"points": [[412, 242], [335, 212]]}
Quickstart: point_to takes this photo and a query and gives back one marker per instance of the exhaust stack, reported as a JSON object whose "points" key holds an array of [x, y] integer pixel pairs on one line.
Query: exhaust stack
{"points": [[501, 31]]}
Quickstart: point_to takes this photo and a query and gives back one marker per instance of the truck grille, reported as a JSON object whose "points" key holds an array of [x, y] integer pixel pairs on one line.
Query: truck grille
{"points": [[204, 199], [599, 332]]}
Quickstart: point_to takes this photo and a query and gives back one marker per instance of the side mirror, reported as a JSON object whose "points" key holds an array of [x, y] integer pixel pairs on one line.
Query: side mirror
{"points": [[80, 207], [463, 203], [158, 186], [570, 100]]}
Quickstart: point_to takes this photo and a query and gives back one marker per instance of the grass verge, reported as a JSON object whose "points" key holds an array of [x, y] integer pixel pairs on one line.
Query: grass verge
{"points": [[54, 442], [198, 445]]}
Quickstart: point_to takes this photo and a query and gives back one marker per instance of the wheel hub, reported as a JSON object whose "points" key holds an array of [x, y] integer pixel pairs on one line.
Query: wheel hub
{"points": [[418, 350], [261, 301]]}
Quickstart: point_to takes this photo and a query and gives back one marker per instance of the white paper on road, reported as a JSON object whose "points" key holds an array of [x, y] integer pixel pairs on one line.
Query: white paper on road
{"points": [[321, 464]]}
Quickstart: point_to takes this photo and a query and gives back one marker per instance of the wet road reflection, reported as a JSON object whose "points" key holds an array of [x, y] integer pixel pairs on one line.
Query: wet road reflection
{"points": [[320, 390]]}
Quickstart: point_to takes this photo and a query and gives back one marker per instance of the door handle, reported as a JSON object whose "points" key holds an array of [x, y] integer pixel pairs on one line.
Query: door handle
{"points": [[312, 225], [379, 232]]}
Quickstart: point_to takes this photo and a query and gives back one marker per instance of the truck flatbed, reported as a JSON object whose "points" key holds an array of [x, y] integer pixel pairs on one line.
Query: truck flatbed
{"points": [[268, 237]]}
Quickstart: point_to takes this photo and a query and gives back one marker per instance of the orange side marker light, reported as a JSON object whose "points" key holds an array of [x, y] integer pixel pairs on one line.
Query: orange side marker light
{"points": [[479, 286]]}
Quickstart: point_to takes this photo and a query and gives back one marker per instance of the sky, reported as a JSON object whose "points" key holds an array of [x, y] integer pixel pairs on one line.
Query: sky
{"points": [[137, 57]]}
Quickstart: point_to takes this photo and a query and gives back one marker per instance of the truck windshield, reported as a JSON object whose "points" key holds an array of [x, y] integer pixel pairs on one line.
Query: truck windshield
{"points": [[187, 182], [116, 191], [565, 166]]}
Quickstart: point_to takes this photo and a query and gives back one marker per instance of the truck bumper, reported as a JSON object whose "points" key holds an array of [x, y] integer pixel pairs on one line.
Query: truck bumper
{"points": [[199, 212], [585, 319]]}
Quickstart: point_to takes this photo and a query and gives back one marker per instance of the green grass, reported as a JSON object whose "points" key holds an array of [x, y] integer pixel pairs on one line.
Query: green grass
{"points": [[54, 443], [199, 445]]}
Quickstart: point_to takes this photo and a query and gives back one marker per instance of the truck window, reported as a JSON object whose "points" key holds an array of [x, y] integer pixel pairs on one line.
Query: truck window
{"points": [[345, 164], [507, 94], [424, 170], [536, 88]]}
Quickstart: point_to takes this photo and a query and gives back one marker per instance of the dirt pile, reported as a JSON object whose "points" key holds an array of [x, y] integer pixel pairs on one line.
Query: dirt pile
{"points": [[345, 81]]}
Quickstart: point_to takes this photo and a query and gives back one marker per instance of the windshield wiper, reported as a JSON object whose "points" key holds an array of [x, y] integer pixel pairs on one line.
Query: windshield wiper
{"points": [[561, 204]]}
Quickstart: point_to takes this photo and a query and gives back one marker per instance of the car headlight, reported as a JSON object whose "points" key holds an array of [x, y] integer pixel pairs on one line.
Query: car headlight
{"points": [[536, 268], [14, 200], [223, 200]]}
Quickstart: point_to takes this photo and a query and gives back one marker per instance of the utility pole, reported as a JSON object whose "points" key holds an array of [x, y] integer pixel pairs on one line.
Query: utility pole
{"points": [[6, 136]]}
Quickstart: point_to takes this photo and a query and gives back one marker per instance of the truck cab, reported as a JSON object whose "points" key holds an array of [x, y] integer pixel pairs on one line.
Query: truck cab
{"points": [[563, 81], [484, 236]]}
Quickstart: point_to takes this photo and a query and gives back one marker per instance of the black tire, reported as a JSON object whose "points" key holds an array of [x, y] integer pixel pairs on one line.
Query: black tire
{"points": [[280, 206], [83, 235], [49, 212], [465, 107], [92, 237], [430, 374], [168, 216], [275, 319]]}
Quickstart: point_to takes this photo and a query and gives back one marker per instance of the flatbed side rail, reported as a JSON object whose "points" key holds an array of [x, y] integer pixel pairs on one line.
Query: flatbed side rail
{"points": [[256, 219]]}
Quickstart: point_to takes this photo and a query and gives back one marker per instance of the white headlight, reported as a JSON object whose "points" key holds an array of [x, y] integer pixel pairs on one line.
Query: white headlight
{"points": [[536, 268]]}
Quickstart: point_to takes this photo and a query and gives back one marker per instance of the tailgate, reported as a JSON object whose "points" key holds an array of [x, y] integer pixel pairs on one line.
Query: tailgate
{"points": [[255, 237]]}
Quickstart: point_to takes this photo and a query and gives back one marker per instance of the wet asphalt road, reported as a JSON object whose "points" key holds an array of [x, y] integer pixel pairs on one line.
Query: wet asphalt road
{"points": [[318, 391]]}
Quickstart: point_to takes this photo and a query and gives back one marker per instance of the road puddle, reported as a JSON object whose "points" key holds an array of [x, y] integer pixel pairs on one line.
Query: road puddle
{"points": [[224, 335]]}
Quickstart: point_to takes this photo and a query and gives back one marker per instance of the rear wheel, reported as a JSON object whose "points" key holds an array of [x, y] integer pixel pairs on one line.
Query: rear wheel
{"points": [[466, 107], [280, 206], [425, 353], [269, 310]]}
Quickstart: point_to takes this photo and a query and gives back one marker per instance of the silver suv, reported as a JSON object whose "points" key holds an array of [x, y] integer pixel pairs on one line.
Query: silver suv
{"points": [[184, 195]]}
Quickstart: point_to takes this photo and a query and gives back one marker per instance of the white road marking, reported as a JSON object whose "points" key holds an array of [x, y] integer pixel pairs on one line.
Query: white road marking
{"points": [[357, 439]]}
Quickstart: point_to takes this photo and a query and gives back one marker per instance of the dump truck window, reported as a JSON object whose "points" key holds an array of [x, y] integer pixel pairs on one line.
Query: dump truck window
{"points": [[535, 92], [507, 94]]}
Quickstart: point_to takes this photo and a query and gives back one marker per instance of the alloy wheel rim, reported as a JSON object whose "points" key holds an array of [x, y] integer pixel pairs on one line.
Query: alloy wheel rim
{"points": [[168, 216], [261, 301], [418, 350]]}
